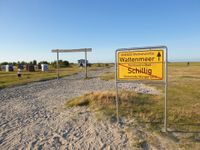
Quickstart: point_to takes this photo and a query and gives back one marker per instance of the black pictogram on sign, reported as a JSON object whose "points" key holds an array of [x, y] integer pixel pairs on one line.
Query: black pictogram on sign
{"points": [[158, 55]]}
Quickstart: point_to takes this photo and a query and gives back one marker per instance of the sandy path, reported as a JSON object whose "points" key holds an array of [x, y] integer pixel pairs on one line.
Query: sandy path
{"points": [[33, 117]]}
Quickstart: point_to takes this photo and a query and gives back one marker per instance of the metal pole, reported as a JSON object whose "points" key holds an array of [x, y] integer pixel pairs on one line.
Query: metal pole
{"points": [[57, 65], [85, 64], [116, 87], [117, 103], [166, 90]]}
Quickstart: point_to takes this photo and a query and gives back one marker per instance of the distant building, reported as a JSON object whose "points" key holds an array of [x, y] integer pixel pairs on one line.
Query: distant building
{"points": [[39, 66], [30, 68], [81, 62], [20, 66], [3, 67], [9, 68], [44, 67]]}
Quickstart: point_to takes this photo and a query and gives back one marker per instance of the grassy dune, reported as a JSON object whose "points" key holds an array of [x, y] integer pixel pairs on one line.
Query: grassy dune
{"points": [[131, 104], [184, 96], [11, 79], [183, 101]]}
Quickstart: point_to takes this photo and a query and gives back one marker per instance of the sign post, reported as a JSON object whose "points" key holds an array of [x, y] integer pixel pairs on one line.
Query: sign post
{"points": [[142, 64], [166, 91]]}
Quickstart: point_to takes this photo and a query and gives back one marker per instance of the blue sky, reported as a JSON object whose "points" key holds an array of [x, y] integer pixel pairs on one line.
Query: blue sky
{"points": [[29, 29]]}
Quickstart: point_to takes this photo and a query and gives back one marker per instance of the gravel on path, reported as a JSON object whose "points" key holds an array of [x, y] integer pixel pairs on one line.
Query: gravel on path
{"points": [[33, 117]]}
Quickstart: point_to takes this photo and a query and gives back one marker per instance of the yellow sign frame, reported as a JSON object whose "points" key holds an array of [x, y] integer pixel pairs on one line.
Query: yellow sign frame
{"points": [[140, 64]]}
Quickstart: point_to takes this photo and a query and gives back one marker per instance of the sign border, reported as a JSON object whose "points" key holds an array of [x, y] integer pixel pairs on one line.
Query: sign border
{"points": [[142, 50]]}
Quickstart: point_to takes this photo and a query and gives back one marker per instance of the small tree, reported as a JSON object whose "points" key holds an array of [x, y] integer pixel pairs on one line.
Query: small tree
{"points": [[14, 64], [22, 62], [65, 63], [62, 63], [4, 63], [34, 62], [43, 62]]}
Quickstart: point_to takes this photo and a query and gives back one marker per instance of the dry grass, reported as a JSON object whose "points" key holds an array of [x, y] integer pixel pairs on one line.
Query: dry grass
{"points": [[108, 76], [143, 106], [97, 98], [183, 104], [147, 109], [183, 101], [103, 65], [11, 79], [99, 66], [184, 95]]}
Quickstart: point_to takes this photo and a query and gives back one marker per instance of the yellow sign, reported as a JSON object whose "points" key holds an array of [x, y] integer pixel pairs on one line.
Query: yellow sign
{"points": [[140, 65]]}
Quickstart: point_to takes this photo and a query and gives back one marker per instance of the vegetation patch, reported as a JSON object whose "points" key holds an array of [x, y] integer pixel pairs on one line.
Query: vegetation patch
{"points": [[103, 65], [191, 77], [10, 78], [148, 109], [108, 76], [183, 100], [143, 106]]}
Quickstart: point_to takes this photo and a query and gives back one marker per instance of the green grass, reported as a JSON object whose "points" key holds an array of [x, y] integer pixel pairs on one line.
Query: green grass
{"points": [[184, 96], [10, 78]]}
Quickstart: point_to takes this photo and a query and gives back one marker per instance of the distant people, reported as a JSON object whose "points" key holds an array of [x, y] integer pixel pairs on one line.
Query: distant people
{"points": [[188, 63], [19, 74]]}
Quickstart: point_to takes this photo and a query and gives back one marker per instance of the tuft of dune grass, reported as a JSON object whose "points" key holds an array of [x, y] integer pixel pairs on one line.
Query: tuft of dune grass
{"points": [[147, 107], [144, 107]]}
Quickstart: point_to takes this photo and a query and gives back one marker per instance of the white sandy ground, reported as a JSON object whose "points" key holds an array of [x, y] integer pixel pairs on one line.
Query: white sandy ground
{"points": [[33, 117]]}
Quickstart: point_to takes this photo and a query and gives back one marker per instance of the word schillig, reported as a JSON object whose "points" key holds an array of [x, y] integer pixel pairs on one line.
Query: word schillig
{"points": [[139, 71]]}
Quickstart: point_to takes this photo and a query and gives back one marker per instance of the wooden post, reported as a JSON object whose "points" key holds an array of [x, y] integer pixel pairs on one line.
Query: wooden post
{"points": [[85, 64]]}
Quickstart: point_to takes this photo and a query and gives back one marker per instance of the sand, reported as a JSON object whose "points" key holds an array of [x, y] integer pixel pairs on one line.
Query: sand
{"points": [[33, 117]]}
